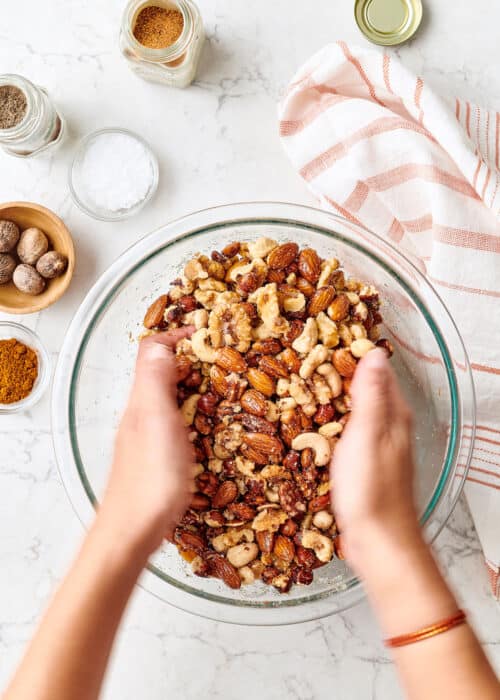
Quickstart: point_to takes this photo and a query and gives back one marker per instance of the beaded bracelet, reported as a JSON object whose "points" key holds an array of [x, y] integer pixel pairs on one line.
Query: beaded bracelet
{"points": [[427, 632]]}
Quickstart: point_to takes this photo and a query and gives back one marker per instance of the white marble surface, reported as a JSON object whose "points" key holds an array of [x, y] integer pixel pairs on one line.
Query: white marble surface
{"points": [[217, 143]]}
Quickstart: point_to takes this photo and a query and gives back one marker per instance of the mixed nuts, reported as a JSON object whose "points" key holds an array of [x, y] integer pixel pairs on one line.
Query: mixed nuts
{"points": [[264, 388]]}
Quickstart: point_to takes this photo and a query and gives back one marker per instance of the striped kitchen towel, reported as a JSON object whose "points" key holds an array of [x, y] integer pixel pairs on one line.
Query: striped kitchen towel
{"points": [[377, 145]]}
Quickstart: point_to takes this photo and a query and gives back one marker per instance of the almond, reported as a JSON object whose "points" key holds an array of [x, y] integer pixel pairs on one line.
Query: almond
{"points": [[273, 367], [230, 360], [268, 346], [254, 455], [305, 287], [337, 545], [254, 402], [321, 300], [269, 445], [265, 540], [154, 315], [242, 511], [231, 249], [224, 570], [199, 502], [256, 424], [291, 360], [226, 493], [319, 503], [284, 549], [218, 380], [339, 308], [344, 363], [261, 381], [281, 256], [310, 265], [187, 540]]}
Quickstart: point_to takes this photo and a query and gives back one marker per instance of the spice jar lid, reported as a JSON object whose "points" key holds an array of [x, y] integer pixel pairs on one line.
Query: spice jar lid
{"points": [[388, 22], [114, 174], [9, 330]]}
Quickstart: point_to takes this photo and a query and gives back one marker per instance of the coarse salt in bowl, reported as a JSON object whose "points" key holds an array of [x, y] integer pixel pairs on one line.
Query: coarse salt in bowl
{"points": [[113, 175]]}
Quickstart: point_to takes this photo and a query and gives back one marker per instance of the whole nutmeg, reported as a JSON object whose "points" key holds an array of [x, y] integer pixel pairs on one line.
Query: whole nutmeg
{"points": [[7, 267], [9, 235], [51, 264], [32, 245], [27, 280]]}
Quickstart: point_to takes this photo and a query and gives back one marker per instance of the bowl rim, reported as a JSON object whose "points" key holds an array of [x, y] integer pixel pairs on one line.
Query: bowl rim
{"points": [[110, 283], [44, 369], [42, 301], [80, 150]]}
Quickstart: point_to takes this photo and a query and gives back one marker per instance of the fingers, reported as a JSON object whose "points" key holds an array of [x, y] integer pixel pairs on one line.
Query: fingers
{"points": [[155, 359], [376, 397]]}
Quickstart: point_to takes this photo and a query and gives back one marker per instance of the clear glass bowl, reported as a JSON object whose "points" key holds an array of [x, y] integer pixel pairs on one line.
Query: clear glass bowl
{"points": [[82, 197], [97, 359], [8, 330]]}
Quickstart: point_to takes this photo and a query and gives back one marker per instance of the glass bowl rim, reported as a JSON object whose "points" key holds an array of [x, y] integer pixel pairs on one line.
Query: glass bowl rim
{"points": [[44, 369], [103, 291], [80, 150]]}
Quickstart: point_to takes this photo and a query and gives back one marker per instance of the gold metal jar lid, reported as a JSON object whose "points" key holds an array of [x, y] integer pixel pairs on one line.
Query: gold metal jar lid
{"points": [[388, 22]]}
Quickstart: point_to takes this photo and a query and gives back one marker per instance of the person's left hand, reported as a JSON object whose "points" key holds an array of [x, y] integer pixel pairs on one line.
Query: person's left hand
{"points": [[149, 485]]}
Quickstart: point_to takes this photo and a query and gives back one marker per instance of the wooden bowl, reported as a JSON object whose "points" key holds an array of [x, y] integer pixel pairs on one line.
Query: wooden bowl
{"points": [[26, 215]]}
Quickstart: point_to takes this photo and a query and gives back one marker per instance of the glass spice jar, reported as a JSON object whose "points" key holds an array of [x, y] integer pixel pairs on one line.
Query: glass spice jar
{"points": [[174, 65], [41, 126]]}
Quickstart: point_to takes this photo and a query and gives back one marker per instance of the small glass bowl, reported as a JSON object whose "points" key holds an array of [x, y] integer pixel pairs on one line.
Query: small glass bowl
{"points": [[77, 188], [8, 330]]}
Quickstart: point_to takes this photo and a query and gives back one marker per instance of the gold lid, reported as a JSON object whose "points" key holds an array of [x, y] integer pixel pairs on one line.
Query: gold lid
{"points": [[388, 22]]}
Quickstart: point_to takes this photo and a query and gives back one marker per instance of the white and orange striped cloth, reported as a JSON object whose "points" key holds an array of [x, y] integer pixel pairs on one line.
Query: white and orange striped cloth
{"points": [[377, 145]]}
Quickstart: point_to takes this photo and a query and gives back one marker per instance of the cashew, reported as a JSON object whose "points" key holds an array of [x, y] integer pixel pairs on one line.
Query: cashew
{"points": [[291, 280], [358, 331], [215, 465], [201, 347], [327, 330], [194, 270], [323, 519], [261, 247], [272, 495], [361, 311], [268, 308], [185, 347], [331, 429], [328, 267], [242, 554], [308, 338], [320, 544], [353, 298], [321, 390], [230, 538], [206, 297], [273, 413], [294, 302], [188, 408], [316, 357], [286, 404], [197, 318], [345, 334], [212, 284], [198, 468], [247, 576], [361, 347], [318, 443], [333, 378]]}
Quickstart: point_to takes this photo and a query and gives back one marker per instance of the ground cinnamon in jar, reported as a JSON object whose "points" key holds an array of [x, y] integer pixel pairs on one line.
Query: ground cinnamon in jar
{"points": [[158, 27], [18, 370]]}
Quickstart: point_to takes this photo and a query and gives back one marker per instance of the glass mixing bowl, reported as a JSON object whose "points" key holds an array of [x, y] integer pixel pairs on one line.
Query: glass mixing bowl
{"points": [[96, 363]]}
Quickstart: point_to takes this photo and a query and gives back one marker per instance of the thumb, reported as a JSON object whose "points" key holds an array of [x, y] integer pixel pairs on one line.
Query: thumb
{"points": [[372, 393], [155, 359]]}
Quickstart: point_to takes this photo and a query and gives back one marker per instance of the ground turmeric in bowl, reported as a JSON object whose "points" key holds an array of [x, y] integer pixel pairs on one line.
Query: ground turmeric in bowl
{"points": [[18, 370]]}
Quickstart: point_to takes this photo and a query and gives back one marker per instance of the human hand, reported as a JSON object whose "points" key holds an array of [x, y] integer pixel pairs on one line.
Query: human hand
{"points": [[372, 470], [148, 489]]}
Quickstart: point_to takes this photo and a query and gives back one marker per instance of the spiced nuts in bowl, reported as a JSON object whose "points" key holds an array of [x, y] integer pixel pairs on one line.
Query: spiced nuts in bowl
{"points": [[264, 389], [36, 257]]}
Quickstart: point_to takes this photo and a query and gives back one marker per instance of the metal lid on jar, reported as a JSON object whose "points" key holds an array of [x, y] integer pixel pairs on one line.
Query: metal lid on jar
{"points": [[388, 22]]}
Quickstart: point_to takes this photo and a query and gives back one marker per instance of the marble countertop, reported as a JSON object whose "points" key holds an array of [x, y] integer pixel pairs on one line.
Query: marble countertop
{"points": [[217, 143]]}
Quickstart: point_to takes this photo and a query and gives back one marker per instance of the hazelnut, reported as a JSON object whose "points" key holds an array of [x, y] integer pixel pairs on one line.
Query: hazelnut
{"points": [[32, 245], [27, 280], [9, 236], [7, 267], [51, 264]]}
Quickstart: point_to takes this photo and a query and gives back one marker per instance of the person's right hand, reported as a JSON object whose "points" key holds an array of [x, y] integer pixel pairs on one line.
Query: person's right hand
{"points": [[372, 470]]}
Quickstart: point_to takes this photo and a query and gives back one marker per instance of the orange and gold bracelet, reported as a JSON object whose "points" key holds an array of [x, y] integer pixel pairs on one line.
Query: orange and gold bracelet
{"points": [[426, 632]]}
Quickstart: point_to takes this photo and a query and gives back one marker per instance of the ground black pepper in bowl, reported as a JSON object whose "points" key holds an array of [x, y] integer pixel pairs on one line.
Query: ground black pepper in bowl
{"points": [[13, 105]]}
